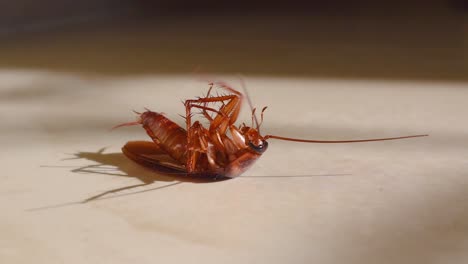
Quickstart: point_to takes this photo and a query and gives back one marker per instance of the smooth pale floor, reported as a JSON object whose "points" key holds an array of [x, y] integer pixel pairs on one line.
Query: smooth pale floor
{"points": [[385, 202]]}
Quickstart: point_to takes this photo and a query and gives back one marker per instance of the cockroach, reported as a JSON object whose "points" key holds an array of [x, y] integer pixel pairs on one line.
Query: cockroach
{"points": [[220, 151]]}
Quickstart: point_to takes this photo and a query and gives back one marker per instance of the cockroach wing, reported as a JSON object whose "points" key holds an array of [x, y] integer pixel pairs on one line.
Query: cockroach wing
{"points": [[149, 155]]}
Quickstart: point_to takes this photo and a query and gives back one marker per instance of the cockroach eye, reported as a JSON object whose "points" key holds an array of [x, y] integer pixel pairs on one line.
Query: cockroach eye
{"points": [[260, 148]]}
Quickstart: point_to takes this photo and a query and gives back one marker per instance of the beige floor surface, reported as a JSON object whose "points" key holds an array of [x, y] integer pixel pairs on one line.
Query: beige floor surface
{"points": [[402, 201]]}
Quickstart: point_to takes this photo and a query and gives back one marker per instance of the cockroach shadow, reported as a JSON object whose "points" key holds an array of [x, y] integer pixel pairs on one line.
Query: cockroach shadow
{"points": [[113, 163], [117, 164]]}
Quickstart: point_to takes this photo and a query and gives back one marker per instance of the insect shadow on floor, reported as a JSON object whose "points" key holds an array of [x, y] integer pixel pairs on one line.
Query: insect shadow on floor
{"points": [[116, 164]]}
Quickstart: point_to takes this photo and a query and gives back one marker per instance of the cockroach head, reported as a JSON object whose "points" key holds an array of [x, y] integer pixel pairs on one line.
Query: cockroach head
{"points": [[254, 140]]}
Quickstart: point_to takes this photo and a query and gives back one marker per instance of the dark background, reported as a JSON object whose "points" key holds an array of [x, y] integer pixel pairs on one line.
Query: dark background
{"points": [[332, 39]]}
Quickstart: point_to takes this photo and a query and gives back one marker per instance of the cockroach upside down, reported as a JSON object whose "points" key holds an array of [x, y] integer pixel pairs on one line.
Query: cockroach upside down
{"points": [[222, 150]]}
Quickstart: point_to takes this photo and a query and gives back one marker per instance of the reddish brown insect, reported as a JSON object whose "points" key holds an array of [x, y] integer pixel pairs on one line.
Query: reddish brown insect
{"points": [[223, 150]]}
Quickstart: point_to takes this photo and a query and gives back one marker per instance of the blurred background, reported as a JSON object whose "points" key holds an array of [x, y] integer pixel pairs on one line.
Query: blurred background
{"points": [[423, 40]]}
